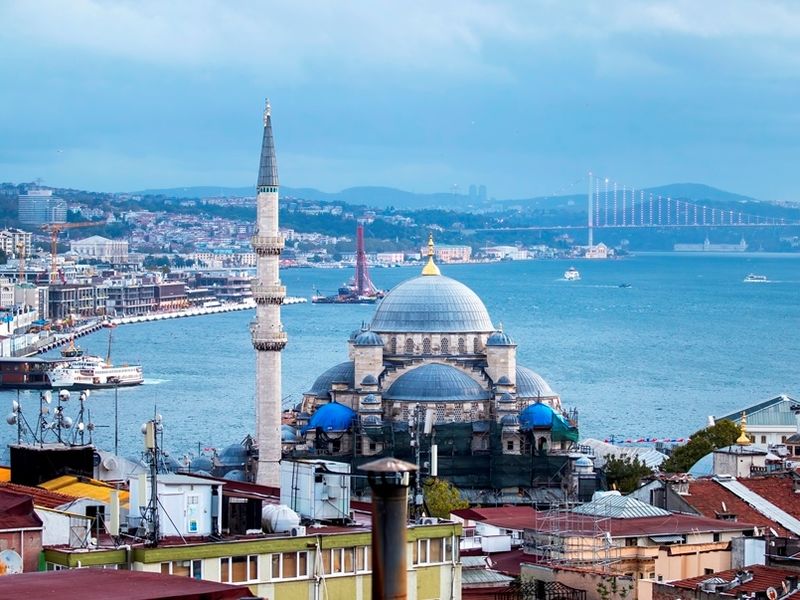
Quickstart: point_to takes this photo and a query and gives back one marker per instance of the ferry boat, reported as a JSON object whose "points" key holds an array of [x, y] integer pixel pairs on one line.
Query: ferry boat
{"points": [[572, 274], [93, 372], [753, 278]]}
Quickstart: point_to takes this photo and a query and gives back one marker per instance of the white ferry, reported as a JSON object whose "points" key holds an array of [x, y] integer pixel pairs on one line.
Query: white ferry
{"points": [[572, 274], [753, 278], [92, 372]]}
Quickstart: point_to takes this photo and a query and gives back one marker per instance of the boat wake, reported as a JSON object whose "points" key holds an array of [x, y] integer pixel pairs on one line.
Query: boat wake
{"points": [[154, 381]]}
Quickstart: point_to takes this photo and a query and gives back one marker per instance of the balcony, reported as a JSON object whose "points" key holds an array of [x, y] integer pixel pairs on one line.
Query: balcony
{"points": [[264, 339], [267, 245]]}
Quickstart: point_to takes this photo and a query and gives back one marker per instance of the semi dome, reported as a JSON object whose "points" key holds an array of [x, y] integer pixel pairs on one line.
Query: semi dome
{"points": [[509, 421], [531, 385], [433, 304], [370, 379], [368, 338], [331, 417], [436, 383], [499, 338], [537, 416], [506, 398], [342, 373]]}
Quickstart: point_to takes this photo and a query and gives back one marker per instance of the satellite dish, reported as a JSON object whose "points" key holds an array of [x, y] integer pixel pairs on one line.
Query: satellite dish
{"points": [[110, 463], [10, 563], [63, 395], [11, 419], [47, 396], [772, 593]]}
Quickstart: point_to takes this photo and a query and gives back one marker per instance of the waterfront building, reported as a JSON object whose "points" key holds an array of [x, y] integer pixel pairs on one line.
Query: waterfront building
{"points": [[432, 355], [447, 254], [171, 295], [707, 246], [131, 297], [84, 299], [268, 335], [598, 251], [506, 253], [39, 206], [101, 248]]}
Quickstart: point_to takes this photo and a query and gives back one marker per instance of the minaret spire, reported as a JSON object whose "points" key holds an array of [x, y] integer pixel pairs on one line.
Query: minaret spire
{"points": [[269, 338]]}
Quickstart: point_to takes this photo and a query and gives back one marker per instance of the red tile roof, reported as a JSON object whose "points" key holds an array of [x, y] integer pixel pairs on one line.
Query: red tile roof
{"points": [[509, 562], [507, 517], [96, 584], [16, 512], [41, 497], [763, 578], [706, 496], [778, 489]]}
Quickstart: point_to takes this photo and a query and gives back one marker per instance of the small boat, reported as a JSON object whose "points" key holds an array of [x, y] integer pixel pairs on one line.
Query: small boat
{"points": [[72, 351], [572, 274], [753, 278], [624, 285]]}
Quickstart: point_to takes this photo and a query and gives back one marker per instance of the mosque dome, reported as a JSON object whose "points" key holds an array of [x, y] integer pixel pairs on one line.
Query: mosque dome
{"points": [[499, 338], [506, 398], [369, 379], [537, 416], [331, 417], [531, 385], [233, 455], [368, 338], [235, 475], [431, 304], [342, 373], [370, 399], [201, 463], [509, 421], [288, 433], [435, 382]]}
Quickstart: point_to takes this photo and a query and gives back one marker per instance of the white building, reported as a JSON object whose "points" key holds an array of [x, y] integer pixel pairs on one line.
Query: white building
{"points": [[100, 248], [38, 207], [506, 252], [12, 241]]}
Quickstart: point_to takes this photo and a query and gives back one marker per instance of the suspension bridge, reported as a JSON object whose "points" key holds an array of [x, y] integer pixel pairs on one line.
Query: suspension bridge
{"points": [[611, 205]]}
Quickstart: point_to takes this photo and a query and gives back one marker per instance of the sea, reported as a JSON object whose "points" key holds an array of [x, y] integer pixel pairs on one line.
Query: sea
{"points": [[687, 339]]}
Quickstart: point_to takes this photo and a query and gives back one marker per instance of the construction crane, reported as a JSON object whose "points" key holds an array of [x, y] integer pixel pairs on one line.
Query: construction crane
{"points": [[54, 229], [21, 259]]}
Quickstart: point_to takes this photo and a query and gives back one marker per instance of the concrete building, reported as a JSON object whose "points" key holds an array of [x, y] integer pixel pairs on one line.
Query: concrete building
{"points": [[127, 298], [506, 253], [20, 528], [171, 295], [37, 207], [448, 254], [755, 581], [102, 249], [15, 242], [268, 335], [76, 299], [769, 422]]}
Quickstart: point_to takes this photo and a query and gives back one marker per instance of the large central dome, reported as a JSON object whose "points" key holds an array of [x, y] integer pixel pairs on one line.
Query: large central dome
{"points": [[434, 304]]}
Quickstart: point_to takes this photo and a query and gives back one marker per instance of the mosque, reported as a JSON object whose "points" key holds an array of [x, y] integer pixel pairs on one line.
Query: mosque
{"points": [[431, 368]]}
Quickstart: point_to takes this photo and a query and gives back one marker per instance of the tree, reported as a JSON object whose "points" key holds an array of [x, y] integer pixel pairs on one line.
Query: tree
{"points": [[442, 498], [722, 433], [625, 473]]}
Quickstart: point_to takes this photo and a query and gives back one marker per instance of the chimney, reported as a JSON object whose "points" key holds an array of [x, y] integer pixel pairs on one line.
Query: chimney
{"points": [[389, 479]]}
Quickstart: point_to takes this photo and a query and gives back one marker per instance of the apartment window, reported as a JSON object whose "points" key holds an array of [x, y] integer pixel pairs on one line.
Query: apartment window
{"points": [[708, 571], [448, 549], [716, 537], [631, 541], [186, 568], [363, 559], [238, 569], [290, 565], [432, 550]]}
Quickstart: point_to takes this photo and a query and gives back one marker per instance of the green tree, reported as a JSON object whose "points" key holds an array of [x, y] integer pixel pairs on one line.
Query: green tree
{"points": [[625, 473], [442, 498], [722, 433]]}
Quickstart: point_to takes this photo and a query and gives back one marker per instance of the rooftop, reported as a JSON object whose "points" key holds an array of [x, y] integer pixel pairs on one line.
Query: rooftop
{"points": [[763, 578]]}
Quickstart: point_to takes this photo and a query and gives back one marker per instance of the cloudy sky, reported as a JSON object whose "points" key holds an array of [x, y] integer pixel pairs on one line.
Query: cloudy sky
{"points": [[525, 97]]}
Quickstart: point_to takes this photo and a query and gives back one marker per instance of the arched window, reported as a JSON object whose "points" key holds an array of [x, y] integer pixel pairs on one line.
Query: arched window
{"points": [[409, 346], [444, 346], [476, 346], [393, 345], [462, 346], [426, 345]]}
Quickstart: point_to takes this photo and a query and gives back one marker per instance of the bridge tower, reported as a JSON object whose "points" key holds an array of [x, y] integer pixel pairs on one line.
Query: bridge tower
{"points": [[268, 335], [589, 213]]}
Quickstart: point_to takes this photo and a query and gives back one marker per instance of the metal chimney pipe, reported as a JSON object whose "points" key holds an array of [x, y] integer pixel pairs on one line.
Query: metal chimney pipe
{"points": [[389, 479]]}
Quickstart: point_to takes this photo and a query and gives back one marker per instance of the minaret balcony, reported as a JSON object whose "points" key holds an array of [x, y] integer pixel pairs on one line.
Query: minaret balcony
{"points": [[267, 245], [265, 339], [267, 293]]}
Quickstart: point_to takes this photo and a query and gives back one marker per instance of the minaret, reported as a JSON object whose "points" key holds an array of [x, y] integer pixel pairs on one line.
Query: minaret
{"points": [[268, 335]]}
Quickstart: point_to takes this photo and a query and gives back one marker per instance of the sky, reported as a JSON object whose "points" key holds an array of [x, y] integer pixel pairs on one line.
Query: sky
{"points": [[523, 97]]}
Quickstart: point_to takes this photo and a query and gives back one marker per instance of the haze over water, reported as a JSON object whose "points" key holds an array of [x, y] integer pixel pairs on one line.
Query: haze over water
{"points": [[687, 340]]}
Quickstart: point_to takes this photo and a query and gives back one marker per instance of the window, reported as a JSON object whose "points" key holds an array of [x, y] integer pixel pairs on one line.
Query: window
{"points": [[238, 569], [448, 549], [433, 550], [716, 536], [763, 439], [510, 445], [363, 562], [426, 345], [186, 568], [289, 565], [462, 346], [444, 346], [476, 346], [708, 571], [631, 541], [393, 345], [409, 346]]}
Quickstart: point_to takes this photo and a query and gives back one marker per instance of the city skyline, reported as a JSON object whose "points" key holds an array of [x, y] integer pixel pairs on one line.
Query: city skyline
{"points": [[522, 98]]}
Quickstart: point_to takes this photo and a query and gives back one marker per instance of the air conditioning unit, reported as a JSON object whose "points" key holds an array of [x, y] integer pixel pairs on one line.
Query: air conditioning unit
{"points": [[429, 521], [297, 531]]}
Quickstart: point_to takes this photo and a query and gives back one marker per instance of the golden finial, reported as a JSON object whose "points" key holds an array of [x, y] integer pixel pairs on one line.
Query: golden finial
{"points": [[743, 439], [431, 268]]}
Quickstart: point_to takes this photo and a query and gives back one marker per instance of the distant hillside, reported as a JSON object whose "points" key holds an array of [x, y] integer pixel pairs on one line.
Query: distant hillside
{"points": [[382, 197]]}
